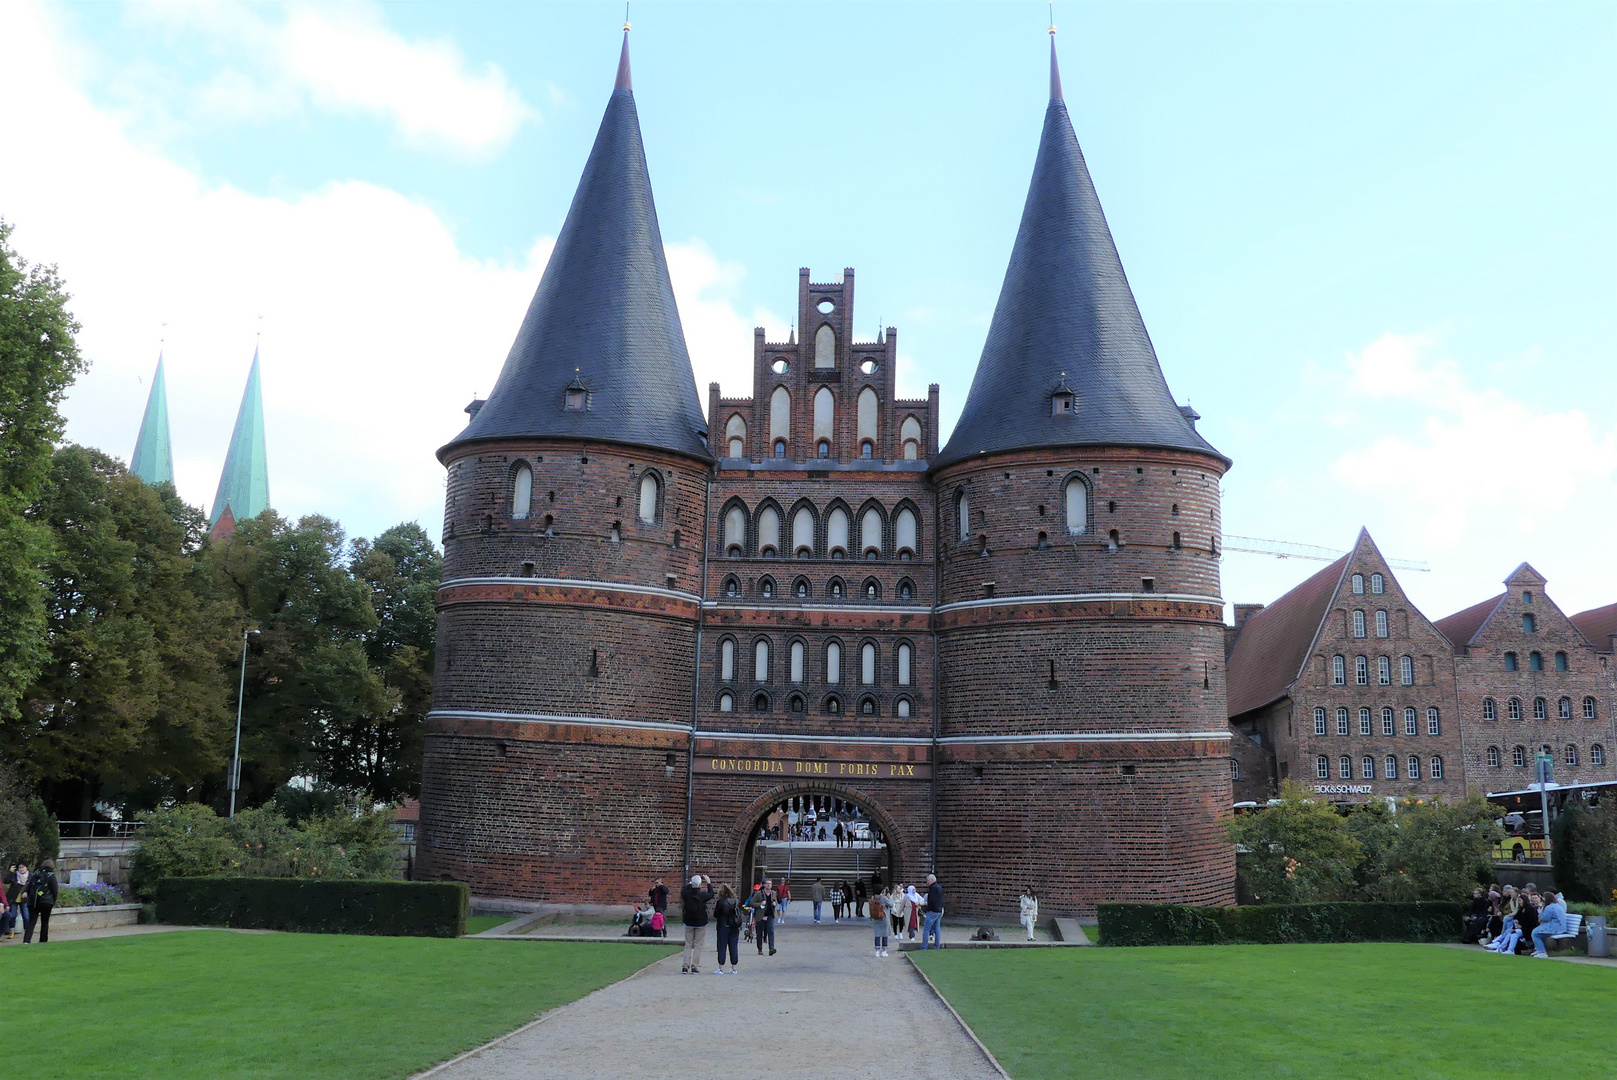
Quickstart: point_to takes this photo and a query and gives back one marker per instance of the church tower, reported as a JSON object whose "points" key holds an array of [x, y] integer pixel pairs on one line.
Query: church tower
{"points": [[244, 481], [153, 459], [555, 761], [1082, 744]]}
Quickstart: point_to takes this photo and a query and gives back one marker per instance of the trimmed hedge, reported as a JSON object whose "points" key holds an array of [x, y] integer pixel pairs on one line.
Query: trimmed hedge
{"points": [[394, 908], [1275, 924]]}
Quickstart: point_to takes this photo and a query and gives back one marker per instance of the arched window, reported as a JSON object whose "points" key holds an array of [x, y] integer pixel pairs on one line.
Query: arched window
{"points": [[727, 660], [904, 664], [904, 533], [865, 416], [872, 590], [1597, 754], [902, 708], [1384, 670], [836, 533], [1390, 767], [962, 513], [1414, 767], [1364, 722], [1411, 721], [1490, 711], [1344, 767], [1535, 661], [906, 590], [768, 532], [732, 586], [803, 532], [1571, 755], [1528, 625], [1513, 708], [735, 434], [1406, 670], [1564, 708], [1339, 671], [1358, 584], [760, 702], [834, 589], [1361, 671], [1518, 756], [822, 449], [825, 347], [1077, 499], [760, 662], [909, 433], [1436, 768], [797, 661], [780, 448], [867, 664], [1358, 623], [727, 702], [1540, 709], [1434, 721], [1493, 757], [795, 704], [1377, 585], [766, 588], [870, 533], [1319, 720], [1341, 721], [1367, 768], [833, 705], [735, 531], [833, 663], [1589, 708], [1510, 661], [1387, 726], [825, 413], [522, 492], [649, 490], [1322, 768], [780, 416], [1560, 661], [1382, 628]]}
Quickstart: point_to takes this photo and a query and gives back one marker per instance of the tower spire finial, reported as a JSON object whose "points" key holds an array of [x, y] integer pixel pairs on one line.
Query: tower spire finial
{"points": [[1055, 69], [624, 82]]}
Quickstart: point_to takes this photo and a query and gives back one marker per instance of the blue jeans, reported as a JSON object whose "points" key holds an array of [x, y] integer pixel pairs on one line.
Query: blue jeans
{"points": [[817, 904], [729, 939], [932, 930], [1541, 938]]}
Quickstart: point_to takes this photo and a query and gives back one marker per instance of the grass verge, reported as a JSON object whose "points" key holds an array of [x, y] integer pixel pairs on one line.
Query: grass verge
{"points": [[203, 1004], [476, 924], [1324, 1012]]}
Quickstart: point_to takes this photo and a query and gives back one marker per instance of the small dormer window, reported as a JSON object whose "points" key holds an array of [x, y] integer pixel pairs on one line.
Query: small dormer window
{"points": [[1061, 398], [578, 395]]}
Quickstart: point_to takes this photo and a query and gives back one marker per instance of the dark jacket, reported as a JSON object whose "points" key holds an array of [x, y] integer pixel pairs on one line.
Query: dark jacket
{"points": [[934, 898], [42, 889], [695, 901], [726, 913], [659, 898]]}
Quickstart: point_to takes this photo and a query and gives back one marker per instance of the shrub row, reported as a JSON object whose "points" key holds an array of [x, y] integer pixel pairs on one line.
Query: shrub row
{"points": [[1274, 924], [395, 908]]}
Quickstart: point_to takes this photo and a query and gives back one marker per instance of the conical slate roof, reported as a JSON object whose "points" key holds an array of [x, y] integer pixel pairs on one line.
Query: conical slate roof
{"points": [[603, 318], [1066, 313], [244, 483], [153, 459]]}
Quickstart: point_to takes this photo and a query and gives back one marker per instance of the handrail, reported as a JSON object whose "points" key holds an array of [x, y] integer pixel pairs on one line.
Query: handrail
{"points": [[98, 830]]}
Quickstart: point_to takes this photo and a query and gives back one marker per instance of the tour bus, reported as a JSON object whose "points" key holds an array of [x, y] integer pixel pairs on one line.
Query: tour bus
{"points": [[1523, 815]]}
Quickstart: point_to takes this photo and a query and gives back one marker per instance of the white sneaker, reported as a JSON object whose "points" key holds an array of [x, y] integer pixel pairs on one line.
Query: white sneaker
{"points": [[884, 952]]}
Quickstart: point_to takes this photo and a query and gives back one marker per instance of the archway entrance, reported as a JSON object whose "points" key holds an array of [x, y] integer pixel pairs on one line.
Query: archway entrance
{"points": [[808, 833]]}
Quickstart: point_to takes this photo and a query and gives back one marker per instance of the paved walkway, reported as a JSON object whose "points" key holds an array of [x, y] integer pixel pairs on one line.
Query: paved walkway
{"points": [[821, 1005]]}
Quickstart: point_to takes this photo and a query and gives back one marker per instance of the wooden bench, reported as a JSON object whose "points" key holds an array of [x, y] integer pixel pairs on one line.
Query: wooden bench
{"points": [[1574, 923]]}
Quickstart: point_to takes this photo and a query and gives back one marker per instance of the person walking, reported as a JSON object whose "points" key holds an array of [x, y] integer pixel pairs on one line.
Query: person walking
{"points": [[1551, 921], [817, 895], [17, 894], [42, 898], [897, 909], [878, 922], [727, 924], [694, 899], [932, 929], [763, 917], [783, 897], [915, 905], [837, 833], [836, 901], [1030, 910], [859, 896]]}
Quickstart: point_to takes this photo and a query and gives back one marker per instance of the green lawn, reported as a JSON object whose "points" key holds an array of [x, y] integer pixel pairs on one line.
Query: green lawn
{"points": [[210, 1003], [476, 924], [1320, 1012]]}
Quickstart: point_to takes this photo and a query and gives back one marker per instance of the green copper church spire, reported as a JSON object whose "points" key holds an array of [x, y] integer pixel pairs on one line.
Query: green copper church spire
{"points": [[153, 460], [244, 484]]}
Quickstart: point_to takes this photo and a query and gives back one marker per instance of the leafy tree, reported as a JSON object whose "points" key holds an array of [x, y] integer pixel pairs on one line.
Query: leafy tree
{"points": [[129, 706], [383, 755], [1295, 850], [1584, 845], [18, 838], [38, 361], [310, 682], [1428, 850]]}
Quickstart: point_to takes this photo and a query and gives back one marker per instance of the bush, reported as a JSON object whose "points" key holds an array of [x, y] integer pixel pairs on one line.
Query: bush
{"points": [[1274, 924], [394, 908], [1294, 850], [98, 895], [1584, 840]]}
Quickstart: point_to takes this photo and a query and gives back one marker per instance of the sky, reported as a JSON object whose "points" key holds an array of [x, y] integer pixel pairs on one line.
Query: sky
{"points": [[1375, 244]]}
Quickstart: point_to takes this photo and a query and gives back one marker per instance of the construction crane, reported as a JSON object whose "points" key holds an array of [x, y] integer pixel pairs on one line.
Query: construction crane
{"points": [[1286, 549]]}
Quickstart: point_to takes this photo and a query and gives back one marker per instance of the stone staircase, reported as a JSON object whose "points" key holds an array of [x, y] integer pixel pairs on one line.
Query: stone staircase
{"points": [[810, 860]]}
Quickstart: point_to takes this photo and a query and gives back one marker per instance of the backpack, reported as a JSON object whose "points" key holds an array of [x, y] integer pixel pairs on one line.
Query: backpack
{"points": [[657, 921], [878, 910]]}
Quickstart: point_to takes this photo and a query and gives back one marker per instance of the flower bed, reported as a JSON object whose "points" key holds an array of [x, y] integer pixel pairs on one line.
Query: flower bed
{"points": [[98, 895]]}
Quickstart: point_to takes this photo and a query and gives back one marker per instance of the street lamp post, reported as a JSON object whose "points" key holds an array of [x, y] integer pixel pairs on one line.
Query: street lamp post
{"points": [[241, 689]]}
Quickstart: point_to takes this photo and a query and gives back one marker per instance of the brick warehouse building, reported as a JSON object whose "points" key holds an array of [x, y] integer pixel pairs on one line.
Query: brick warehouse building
{"points": [[1344, 685], [653, 632]]}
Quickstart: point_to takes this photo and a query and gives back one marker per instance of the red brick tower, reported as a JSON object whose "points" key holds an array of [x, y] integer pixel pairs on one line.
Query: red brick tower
{"points": [[555, 761], [1083, 746]]}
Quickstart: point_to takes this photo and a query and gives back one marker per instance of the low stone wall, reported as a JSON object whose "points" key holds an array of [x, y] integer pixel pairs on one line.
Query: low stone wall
{"points": [[94, 918]]}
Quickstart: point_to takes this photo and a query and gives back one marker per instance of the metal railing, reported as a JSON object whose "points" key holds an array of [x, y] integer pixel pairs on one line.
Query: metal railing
{"points": [[98, 830]]}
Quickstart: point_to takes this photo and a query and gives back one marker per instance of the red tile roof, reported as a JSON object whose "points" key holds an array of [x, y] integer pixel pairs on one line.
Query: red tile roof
{"points": [[1598, 625], [1273, 645], [409, 811], [1462, 626]]}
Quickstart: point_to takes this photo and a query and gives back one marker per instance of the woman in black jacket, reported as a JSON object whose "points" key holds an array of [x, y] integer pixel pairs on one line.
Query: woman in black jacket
{"points": [[41, 899], [727, 919]]}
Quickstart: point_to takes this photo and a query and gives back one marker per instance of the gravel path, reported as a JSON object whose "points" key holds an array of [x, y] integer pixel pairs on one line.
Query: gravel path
{"points": [[821, 1005]]}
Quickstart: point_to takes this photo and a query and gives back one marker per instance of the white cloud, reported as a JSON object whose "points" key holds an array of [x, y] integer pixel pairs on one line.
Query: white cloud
{"points": [[340, 58], [718, 337], [377, 329]]}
